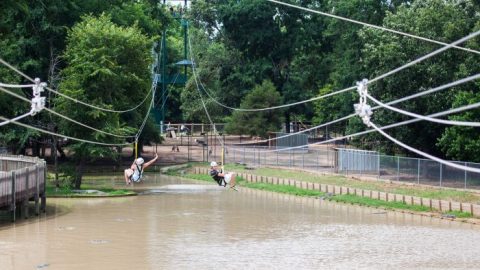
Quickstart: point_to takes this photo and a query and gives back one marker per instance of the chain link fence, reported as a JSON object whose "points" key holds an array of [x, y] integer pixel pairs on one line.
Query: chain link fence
{"points": [[358, 163]]}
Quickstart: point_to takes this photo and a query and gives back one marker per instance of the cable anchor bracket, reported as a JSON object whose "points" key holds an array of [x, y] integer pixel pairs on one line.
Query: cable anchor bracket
{"points": [[38, 102], [362, 109]]}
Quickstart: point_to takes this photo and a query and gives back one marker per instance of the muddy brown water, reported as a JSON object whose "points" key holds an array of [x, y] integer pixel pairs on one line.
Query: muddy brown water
{"points": [[179, 224]]}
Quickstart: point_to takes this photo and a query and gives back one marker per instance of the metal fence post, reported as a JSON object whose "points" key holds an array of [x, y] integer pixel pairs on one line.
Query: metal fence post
{"points": [[303, 160], [378, 167], [441, 174], [348, 162], [14, 199], [293, 157], [244, 155], [398, 168], [418, 171], [37, 192], [265, 155], [362, 162], [277, 157]]}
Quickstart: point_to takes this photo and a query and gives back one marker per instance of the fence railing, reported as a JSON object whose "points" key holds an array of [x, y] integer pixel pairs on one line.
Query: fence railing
{"points": [[22, 179], [362, 163], [192, 128]]}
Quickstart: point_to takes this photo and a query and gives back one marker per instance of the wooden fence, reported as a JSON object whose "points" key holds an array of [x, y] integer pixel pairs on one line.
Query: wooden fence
{"points": [[441, 205], [22, 179]]}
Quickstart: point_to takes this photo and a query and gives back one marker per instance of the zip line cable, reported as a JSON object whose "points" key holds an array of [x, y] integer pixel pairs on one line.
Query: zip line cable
{"points": [[65, 117], [371, 25], [387, 74], [87, 126], [425, 57], [430, 91], [7, 121], [259, 109], [61, 135], [439, 160], [203, 104], [6, 85], [348, 136], [68, 118], [70, 98], [381, 77], [165, 101], [425, 118], [365, 112], [154, 87]]}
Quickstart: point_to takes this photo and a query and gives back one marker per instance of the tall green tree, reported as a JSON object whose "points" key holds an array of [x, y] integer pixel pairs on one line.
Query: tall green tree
{"points": [[436, 19], [108, 66], [258, 123], [463, 143]]}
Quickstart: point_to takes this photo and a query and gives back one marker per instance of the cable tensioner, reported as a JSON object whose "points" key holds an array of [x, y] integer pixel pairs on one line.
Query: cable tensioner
{"points": [[38, 102], [362, 109]]}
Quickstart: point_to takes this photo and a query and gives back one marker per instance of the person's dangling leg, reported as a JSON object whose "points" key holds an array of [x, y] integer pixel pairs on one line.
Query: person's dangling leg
{"points": [[127, 174]]}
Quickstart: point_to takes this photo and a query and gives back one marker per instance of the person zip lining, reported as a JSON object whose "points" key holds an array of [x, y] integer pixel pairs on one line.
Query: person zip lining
{"points": [[223, 179], [135, 172]]}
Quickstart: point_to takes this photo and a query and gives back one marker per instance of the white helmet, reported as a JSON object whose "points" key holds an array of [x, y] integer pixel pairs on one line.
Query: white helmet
{"points": [[213, 164], [139, 161]]}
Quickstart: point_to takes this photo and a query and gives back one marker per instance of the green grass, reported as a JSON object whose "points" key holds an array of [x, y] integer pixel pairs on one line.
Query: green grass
{"points": [[459, 214], [353, 199], [284, 189], [345, 198], [424, 192]]}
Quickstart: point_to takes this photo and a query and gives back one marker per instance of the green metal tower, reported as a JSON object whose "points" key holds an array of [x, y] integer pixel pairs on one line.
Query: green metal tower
{"points": [[162, 74]]}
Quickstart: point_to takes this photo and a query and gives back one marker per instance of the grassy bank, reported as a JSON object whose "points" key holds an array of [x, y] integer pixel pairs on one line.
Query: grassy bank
{"points": [[105, 184], [418, 191], [345, 198], [52, 191]]}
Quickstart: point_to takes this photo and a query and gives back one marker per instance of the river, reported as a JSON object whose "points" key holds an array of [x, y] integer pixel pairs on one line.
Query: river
{"points": [[179, 224]]}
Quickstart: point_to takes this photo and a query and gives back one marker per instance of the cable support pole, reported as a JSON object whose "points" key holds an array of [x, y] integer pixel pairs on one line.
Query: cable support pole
{"points": [[372, 26]]}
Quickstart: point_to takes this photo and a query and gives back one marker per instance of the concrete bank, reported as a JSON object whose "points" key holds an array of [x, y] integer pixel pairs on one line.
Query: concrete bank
{"points": [[440, 205]]}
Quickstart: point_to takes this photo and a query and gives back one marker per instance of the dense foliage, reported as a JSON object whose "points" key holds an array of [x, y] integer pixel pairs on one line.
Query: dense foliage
{"points": [[249, 54], [306, 55]]}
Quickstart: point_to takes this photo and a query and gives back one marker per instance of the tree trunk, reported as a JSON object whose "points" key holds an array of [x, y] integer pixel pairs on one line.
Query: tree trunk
{"points": [[36, 149], [119, 158], [79, 173], [63, 156]]}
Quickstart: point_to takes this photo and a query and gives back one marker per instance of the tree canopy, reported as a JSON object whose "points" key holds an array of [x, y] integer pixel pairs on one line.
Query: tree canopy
{"points": [[247, 54]]}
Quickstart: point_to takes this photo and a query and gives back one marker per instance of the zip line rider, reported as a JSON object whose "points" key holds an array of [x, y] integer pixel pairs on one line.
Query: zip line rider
{"points": [[220, 177], [135, 172]]}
